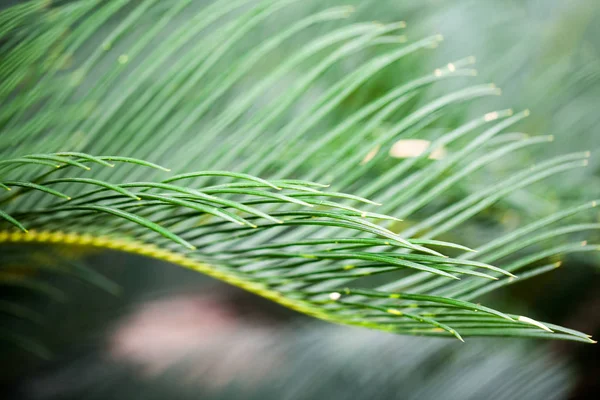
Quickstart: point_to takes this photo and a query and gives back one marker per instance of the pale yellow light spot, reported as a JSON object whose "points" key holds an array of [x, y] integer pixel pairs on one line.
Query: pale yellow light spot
{"points": [[370, 155], [334, 296], [394, 311], [491, 116], [123, 59], [451, 67], [410, 148], [437, 72]]}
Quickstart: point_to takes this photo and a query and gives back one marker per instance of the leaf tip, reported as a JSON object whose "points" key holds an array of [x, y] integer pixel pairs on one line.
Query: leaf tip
{"points": [[491, 116], [457, 335], [333, 296], [533, 322], [348, 10]]}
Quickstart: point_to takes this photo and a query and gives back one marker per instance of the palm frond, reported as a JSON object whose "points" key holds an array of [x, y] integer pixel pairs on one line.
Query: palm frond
{"points": [[177, 83]]}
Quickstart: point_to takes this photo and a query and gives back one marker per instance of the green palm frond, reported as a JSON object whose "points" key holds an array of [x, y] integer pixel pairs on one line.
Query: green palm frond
{"points": [[274, 182]]}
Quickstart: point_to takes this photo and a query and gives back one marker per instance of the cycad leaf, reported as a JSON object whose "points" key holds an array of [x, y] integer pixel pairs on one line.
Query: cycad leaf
{"points": [[170, 85]]}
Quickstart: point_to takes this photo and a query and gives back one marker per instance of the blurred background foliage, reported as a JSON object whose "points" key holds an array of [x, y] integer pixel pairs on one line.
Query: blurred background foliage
{"points": [[545, 55]]}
